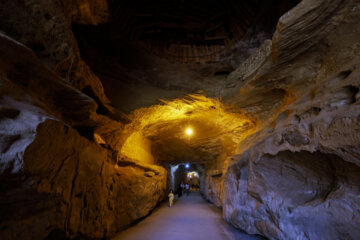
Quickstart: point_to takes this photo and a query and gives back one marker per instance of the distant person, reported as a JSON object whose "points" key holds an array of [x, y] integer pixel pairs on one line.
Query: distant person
{"points": [[187, 187], [171, 198], [182, 185]]}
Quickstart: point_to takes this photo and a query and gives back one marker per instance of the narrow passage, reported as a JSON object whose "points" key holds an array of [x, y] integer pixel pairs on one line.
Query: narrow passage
{"points": [[191, 218]]}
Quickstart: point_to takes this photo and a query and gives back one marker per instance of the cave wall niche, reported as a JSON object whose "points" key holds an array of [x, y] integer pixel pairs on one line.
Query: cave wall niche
{"points": [[292, 194], [137, 147]]}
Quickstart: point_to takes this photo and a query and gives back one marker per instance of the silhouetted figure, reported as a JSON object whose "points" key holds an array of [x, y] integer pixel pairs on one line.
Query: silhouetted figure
{"points": [[187, 187], [171, 198]]}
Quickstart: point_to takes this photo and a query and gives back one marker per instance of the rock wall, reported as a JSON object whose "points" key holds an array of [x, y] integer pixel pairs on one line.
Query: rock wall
{"points": [[54, 176], [297, 176], [136, 146], [45, 27], [79, 187], [299, 195]]}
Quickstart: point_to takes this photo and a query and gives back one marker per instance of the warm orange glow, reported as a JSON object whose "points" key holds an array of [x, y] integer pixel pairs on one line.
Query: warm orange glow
{"points": [[178, 119], [192, 174], [189, 131]]}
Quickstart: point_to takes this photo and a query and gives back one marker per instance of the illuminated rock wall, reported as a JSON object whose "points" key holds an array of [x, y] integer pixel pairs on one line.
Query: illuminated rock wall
{"points": [[138, 147], [55, 177], [79, 187], [297, 177]]}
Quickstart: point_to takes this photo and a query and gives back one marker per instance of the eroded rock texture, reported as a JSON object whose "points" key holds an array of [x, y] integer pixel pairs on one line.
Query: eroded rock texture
{"points": [[45, 27], [276, 135], [58, 175], [78, 186], [289, 195], [300, 180]]}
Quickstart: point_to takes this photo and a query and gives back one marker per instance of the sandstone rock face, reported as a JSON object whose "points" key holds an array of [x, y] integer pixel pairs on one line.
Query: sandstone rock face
{"points": [[79, 187], [93, 12], [63, 181], [299, 195], [297, 177], [213, 188], [278, 148], [45, 27]]}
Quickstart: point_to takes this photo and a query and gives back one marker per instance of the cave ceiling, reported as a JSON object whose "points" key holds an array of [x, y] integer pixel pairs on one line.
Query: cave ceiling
{"points": [[170, 65]]}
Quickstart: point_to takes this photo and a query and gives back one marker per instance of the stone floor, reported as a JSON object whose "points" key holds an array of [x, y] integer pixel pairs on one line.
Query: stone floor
{"points": [[191, 218]]}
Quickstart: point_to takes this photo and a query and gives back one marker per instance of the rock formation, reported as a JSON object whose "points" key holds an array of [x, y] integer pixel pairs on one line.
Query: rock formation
{"points": [[276, 121]]}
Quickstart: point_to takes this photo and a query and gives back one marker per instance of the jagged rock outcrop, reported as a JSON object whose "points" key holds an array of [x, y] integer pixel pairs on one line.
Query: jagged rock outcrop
{"points": [[77, 186], [45, 27], [65, 181], [299, 195], [297, 176]]}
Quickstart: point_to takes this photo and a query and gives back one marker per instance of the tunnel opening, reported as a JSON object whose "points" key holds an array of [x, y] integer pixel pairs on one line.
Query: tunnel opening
{"points": [[186, 173]]}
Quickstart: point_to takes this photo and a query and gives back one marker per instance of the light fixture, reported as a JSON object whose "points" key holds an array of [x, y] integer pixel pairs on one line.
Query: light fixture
{"points": [[189, 131], [187, 165]]}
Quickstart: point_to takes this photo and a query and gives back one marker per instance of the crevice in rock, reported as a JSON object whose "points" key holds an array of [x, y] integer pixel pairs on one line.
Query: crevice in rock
{"points": [[8, 112], [124, 163], [344, 74], [353, 91], [101, 109], [86, 131]]}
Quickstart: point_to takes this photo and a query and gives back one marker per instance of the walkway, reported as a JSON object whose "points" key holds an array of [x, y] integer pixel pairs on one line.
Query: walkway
{"points": [[191, 218]]}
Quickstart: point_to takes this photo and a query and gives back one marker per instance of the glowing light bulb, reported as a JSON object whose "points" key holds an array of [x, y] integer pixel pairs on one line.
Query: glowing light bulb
{"points": [[189, 131]]}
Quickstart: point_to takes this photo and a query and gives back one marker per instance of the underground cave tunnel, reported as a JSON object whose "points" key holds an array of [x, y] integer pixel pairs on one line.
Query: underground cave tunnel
{"points": [[106, 106]]}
